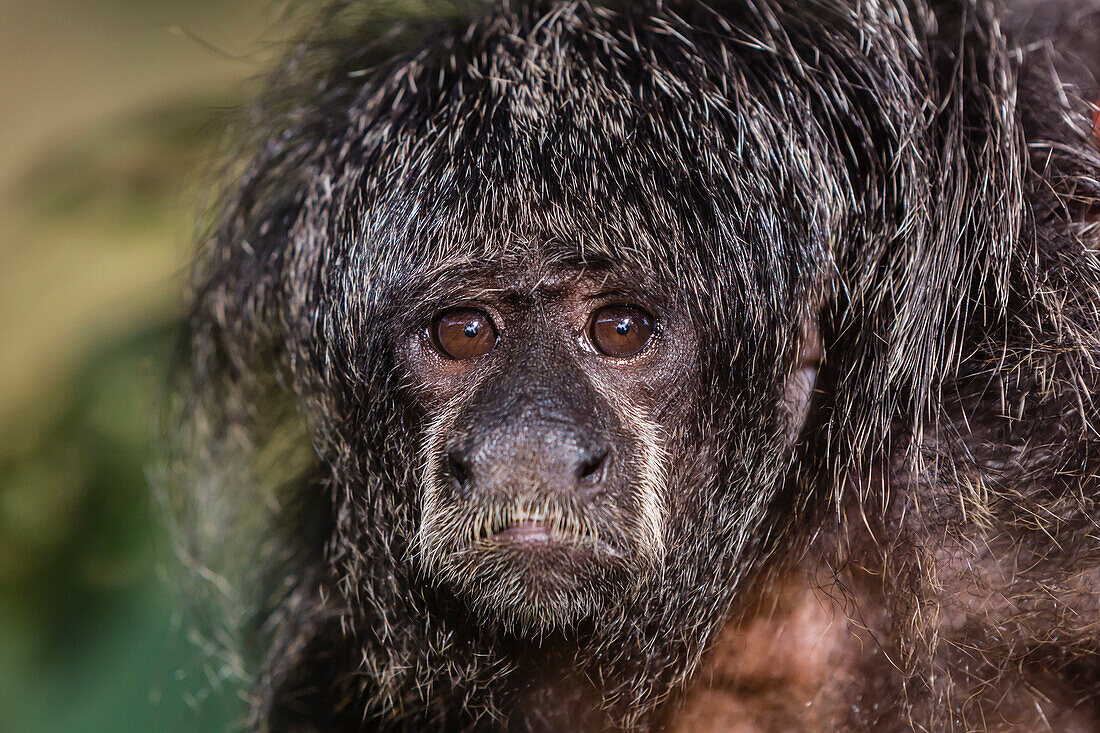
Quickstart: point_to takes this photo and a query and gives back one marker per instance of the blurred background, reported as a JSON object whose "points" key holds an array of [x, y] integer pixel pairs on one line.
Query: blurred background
{"points": [[110, 111]]}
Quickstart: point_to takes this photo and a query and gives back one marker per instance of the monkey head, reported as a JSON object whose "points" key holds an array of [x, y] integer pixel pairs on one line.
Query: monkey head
{"points": [[545, 293], [555, 342]]}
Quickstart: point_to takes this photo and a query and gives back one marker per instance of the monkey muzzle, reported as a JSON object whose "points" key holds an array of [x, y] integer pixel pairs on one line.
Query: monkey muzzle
{"points": [[536, 518]]}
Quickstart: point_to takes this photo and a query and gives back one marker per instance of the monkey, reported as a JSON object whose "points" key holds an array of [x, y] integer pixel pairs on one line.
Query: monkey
{"points": [[686, 365]]}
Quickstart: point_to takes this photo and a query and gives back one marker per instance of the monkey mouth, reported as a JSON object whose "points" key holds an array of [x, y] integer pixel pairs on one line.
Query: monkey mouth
{"points": [[544, 531], [533, 529], [525, 533], [522, 532]]}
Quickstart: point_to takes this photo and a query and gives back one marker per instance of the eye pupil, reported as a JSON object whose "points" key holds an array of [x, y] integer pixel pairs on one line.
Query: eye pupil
{"points": [[463, 333], [623, 327]]}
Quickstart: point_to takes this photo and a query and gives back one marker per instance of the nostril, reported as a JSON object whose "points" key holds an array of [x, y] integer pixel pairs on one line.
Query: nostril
{"points": [[457, 468], [592, 470]]}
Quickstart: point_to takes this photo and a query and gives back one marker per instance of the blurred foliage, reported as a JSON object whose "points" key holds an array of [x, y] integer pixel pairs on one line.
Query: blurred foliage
{"points": [[94, 237], [126, 174], [88, 637]]}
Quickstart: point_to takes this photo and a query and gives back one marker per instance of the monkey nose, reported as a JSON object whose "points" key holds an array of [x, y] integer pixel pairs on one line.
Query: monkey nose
{"points": [[507, 468], [458, 469], [592, 467]]}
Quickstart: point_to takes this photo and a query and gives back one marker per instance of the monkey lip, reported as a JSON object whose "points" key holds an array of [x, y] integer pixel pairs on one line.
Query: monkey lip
{"points": [[539, 535], [525, 532]]}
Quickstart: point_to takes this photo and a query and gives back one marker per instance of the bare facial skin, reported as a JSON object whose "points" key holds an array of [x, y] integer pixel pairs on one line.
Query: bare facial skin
{"points": [[544, 466]]}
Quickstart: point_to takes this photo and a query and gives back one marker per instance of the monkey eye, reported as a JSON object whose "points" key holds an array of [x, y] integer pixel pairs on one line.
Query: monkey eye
{"points": [[463, 333], [620, 330]]}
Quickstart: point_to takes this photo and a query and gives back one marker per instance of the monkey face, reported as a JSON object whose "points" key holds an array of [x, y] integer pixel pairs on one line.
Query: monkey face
{"points": [[548, 337], [544, 470]]}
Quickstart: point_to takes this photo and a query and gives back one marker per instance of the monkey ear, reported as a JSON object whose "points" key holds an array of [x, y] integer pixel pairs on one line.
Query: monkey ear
{"points": [[798, 389]]}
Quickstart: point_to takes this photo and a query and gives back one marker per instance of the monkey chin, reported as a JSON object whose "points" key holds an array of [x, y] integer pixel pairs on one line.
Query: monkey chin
{"points": [[533, 582]]}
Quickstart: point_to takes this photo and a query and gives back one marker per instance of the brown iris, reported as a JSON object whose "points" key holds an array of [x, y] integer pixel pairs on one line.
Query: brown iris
{"points": [[463, 333], [620, 330]]}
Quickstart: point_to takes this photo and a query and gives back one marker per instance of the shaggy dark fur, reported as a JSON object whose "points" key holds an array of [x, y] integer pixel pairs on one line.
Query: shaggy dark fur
{"points": [[921, 177]]}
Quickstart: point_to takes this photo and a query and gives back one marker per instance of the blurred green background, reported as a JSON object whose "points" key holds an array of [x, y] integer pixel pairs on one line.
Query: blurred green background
{"points": [[110, 110]]}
